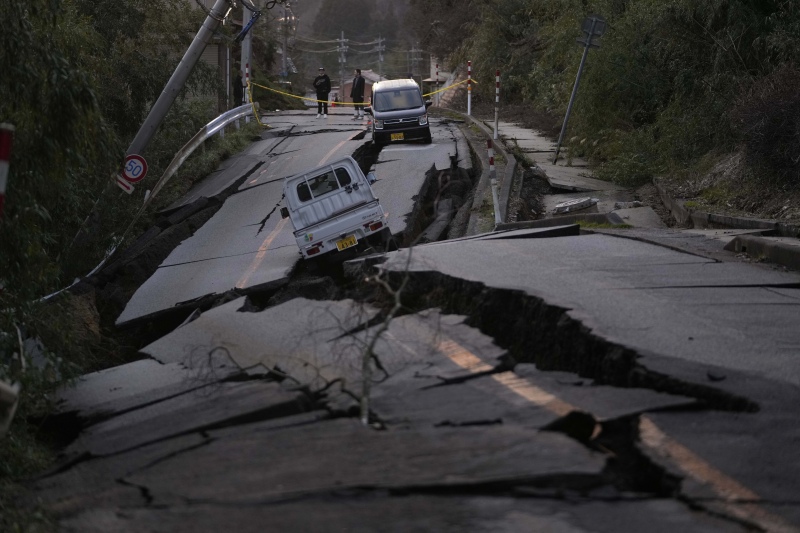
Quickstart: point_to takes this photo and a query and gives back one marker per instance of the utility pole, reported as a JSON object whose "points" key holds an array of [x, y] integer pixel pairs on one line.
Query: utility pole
{"points": [[284, 71], [173, 88], [414, 60], [380, 48], [342, 49], [247, 56], [178, 79], [594, 26]]}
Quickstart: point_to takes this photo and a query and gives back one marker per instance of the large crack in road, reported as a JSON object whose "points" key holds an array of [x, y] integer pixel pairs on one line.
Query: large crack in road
{"points": [[538, 343]]}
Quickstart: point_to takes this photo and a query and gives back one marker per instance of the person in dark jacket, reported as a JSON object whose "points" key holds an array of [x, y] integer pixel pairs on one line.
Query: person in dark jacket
{"points": [[357, 94], [322, 84], [238, 89]]}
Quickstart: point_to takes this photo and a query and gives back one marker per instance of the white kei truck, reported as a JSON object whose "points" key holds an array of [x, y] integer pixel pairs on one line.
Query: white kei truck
{"points": [[332, 208]]}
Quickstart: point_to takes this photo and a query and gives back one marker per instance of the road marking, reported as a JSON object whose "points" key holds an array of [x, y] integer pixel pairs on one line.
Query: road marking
{"points": [[741, 502], [333, 151], [469, 361], [262, 252]]}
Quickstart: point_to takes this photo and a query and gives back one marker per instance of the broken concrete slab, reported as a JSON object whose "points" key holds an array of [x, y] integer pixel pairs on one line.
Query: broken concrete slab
{"points": [[197, 410], [121, 388], [297, 338], [417, 397], [95, 482], [605, 200], [641, 217], [575, 179], [603, 402], [343, 454], [170, 286], [618, 285], [569, 230], [372, 512], [229, 171]]}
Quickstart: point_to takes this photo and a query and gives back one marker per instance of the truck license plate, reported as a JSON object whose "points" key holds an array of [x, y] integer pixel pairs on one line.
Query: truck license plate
{"points": [[347, 242], [397, 136]]}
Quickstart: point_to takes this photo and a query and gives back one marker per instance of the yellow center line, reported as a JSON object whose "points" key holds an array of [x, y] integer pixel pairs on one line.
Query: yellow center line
{"points": [[333, 151], [650, 434], [469, 361], [262, 251], [740, 500]]}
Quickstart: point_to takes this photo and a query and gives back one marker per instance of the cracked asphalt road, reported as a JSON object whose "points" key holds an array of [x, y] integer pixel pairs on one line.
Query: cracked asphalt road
{"points": [[545, 382]]}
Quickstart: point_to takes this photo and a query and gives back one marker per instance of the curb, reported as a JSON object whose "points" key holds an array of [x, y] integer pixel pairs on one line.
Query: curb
{"points": [[510, 168], [764, 248], [757, 247]]}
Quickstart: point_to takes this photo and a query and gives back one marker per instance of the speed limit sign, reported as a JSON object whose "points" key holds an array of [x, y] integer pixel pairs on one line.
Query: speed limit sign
{"points": [[134, 169]]}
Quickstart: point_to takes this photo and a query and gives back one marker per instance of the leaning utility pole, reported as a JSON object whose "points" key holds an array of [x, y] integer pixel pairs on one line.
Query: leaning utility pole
{"points": [[594, 26], [174, 87]]}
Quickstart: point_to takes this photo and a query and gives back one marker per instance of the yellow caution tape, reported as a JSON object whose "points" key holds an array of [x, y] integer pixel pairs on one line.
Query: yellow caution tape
{"points": [[336, 103], [253, 103], [451, 86]]}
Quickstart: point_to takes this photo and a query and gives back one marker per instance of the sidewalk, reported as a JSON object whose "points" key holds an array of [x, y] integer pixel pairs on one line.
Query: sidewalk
{"points": [[579, 195]]}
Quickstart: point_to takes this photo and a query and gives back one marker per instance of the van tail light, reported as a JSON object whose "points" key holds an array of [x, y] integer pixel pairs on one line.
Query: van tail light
{"points": [[373, 226]]}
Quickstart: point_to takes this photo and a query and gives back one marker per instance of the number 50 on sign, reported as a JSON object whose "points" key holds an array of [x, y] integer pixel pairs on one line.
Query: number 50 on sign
{"points": [[134, 169]]}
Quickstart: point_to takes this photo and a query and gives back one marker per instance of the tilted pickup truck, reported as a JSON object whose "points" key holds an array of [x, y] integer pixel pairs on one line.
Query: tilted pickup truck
{"points": [[332, 208]]}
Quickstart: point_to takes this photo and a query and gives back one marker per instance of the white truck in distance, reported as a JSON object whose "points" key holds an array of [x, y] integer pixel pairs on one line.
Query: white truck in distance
{"points": [[332, 208]]}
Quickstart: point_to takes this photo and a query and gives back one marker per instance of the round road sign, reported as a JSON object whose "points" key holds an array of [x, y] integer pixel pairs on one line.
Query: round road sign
{"points": [[134, 169]]}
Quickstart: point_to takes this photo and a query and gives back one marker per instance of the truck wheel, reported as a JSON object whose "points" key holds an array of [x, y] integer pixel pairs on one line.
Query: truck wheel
{"points": [[389, 244]]}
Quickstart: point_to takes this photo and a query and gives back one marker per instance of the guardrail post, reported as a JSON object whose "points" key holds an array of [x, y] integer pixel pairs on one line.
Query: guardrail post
{"points": [[496, 101], [438, 95], [493, 176], [469, 88]]}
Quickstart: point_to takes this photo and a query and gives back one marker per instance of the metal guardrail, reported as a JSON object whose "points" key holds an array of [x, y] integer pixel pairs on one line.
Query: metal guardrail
{"points": [[200, 137]]}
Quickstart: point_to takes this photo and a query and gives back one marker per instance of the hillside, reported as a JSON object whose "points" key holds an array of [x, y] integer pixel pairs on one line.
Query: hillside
{"points": [[700, 94]]}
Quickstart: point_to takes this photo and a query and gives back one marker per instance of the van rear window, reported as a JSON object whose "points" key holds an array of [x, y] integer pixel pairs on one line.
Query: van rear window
{"points": [[323, 184]]}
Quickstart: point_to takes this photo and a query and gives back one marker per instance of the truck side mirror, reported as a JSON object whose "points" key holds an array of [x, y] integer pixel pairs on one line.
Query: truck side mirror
{"points": [[284, 212], [367, 110], [371, 178]]}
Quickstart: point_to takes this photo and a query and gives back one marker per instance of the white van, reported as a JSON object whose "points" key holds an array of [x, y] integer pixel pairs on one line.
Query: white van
{"points": [[332, 208]]}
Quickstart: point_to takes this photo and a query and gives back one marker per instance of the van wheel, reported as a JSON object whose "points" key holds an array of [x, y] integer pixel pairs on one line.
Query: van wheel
{"points": [[427, 139]]}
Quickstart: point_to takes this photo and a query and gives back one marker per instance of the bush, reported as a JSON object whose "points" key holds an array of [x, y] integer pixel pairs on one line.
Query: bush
{"points": [[767, 117]]}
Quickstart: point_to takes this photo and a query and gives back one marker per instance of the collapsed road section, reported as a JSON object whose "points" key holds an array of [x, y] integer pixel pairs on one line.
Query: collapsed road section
{"points": [[497, 401]]}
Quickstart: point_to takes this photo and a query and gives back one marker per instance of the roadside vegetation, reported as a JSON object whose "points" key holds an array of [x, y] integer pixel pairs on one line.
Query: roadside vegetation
{"points": [[699, 93], [79, 78]]}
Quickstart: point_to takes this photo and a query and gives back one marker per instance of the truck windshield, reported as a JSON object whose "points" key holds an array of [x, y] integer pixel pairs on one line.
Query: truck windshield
{"points": [[397, 100]]}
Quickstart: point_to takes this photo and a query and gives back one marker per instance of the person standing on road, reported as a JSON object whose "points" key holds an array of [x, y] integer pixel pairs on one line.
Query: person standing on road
{"points": [[322, 84], [357, 94], [238, 90]]}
